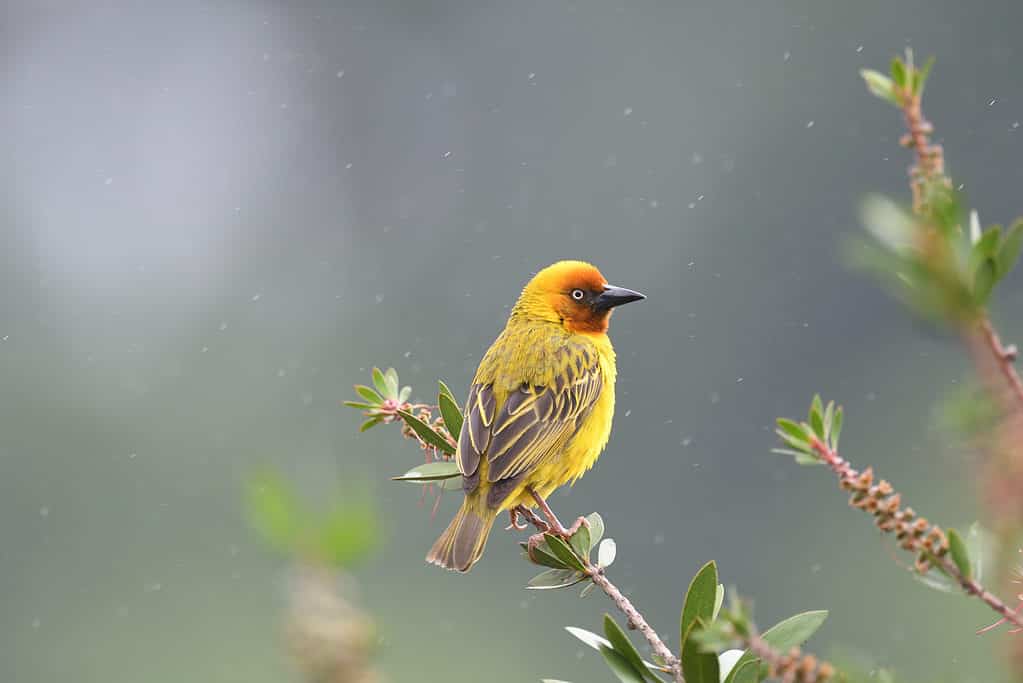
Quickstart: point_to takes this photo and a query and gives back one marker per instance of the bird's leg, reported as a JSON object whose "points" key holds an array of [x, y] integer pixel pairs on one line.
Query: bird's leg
{"points": [[552, 519]]}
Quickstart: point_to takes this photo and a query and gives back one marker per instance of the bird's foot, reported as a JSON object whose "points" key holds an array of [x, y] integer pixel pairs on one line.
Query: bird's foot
{"points": [[572, 530], [515, 524]]}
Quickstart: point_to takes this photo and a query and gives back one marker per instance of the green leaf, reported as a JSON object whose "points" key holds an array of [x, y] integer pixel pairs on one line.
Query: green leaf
{"points": [[273, 510], [426, 432], [403, 395], [451, 414], [371, 422], [746, 673], [920, 76], [836, 428], [1009, 250], [960, 555], [785, 635], [700, 599], [544, 556], [452, 484], [898, 72], [391, 379], [620, 666], [580, 542], [596, 528], [987, 245], [359, 405], [444, 389], [829, 418], [368, 394], [563, 551], [555, 578], [380, 382], [815, 416], [589, 637], [606, 552], [984, 280], [347, 533], [431, 471], [879, 85], [623, 646], [698, 666], [808, 459], [719, 599]]}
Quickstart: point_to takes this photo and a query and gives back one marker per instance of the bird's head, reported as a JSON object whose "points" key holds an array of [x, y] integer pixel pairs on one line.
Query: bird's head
{"points": [[574, 294]]}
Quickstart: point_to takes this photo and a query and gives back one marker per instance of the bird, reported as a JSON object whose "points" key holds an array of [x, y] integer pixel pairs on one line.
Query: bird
{"points": [[539, 409]]}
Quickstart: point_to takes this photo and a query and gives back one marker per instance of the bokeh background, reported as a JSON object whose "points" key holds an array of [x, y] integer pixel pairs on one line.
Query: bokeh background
{"points": [[217, 216]]}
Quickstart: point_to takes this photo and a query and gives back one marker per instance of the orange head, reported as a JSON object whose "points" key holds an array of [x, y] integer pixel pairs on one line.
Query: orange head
{"points": [[574, 294]]}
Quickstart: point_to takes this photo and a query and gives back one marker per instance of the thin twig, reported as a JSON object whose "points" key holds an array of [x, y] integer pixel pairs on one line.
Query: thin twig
{"points": [[916, 534], [634, 619]]}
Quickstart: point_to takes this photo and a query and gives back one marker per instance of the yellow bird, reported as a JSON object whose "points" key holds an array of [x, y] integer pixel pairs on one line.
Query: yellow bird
{"points": [[540, 406]]}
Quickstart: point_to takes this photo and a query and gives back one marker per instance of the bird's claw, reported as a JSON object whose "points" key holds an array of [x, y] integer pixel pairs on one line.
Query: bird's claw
{"points": [[572, 530], [515, 523]]}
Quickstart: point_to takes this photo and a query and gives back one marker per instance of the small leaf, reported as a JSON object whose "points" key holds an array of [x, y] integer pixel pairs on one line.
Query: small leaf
{"points": [[587, 589], [371, 422], [879, 85], [808, 459], [596, 528], [748, 672], [580, 542], [391, 378], [816, 417], [426, 433], [700, 599], [920, 76], [431, 471], [588, 637], [698, 666], [960, 555], [452, 484], [1009, 250], [444, 389], [623, 646], [555, 578], [368, 394], [984, 280], [451, 414], [829, 417], [380, 382], [358, 405], [621, 666], [563, 551], [544, 556], [836, 428], [898, 72], [606, 552], [403, 395], [273, 510], [719, 599]]}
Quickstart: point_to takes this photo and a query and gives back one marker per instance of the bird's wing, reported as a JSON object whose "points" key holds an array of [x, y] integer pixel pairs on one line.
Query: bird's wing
{"points": [[534, 423]]}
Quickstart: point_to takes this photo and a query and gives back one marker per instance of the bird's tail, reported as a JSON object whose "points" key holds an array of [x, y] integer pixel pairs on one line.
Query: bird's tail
{"points": [[461, 545]]}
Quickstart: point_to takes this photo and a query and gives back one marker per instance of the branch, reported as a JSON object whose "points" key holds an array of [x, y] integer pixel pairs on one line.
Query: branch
{"points": [[634, 619], [915, 534]]}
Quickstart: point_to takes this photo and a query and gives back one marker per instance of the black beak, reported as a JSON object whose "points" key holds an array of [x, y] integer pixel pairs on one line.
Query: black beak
{"points": [[615, 296]]}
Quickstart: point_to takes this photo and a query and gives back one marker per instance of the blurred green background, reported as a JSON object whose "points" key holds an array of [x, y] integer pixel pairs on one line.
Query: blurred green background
{"points": [[217, 216]]}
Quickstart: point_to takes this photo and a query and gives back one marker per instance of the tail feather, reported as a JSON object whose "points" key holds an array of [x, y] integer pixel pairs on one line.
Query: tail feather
{"points": [[462, 543]]}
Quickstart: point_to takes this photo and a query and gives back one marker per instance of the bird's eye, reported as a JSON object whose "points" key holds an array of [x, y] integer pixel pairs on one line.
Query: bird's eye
{"points": [[578, 294]]}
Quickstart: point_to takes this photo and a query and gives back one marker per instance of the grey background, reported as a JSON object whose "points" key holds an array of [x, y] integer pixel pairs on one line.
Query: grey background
{"points": [[218, 215]]}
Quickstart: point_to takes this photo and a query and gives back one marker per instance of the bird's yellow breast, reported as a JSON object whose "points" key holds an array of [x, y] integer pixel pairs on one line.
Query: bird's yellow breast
{"points": [[527, 354]]}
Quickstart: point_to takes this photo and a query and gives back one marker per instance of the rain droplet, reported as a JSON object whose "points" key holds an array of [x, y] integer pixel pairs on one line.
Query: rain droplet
{"points": [[257, 297], [223, 326], [809, 124], [992, 102], [628, 111], [1015, 125], [532, 76], [340, 74], [786, 56], [36, 623], [44, 512], [108, 181], [692, 205], [447, 155], [348, 165], [696, 159], [859, 48], [628, 412], [379, 298]]}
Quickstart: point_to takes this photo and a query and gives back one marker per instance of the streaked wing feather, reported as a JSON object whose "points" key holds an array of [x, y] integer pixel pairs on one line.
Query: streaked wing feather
{"points": [[536, 422]]}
